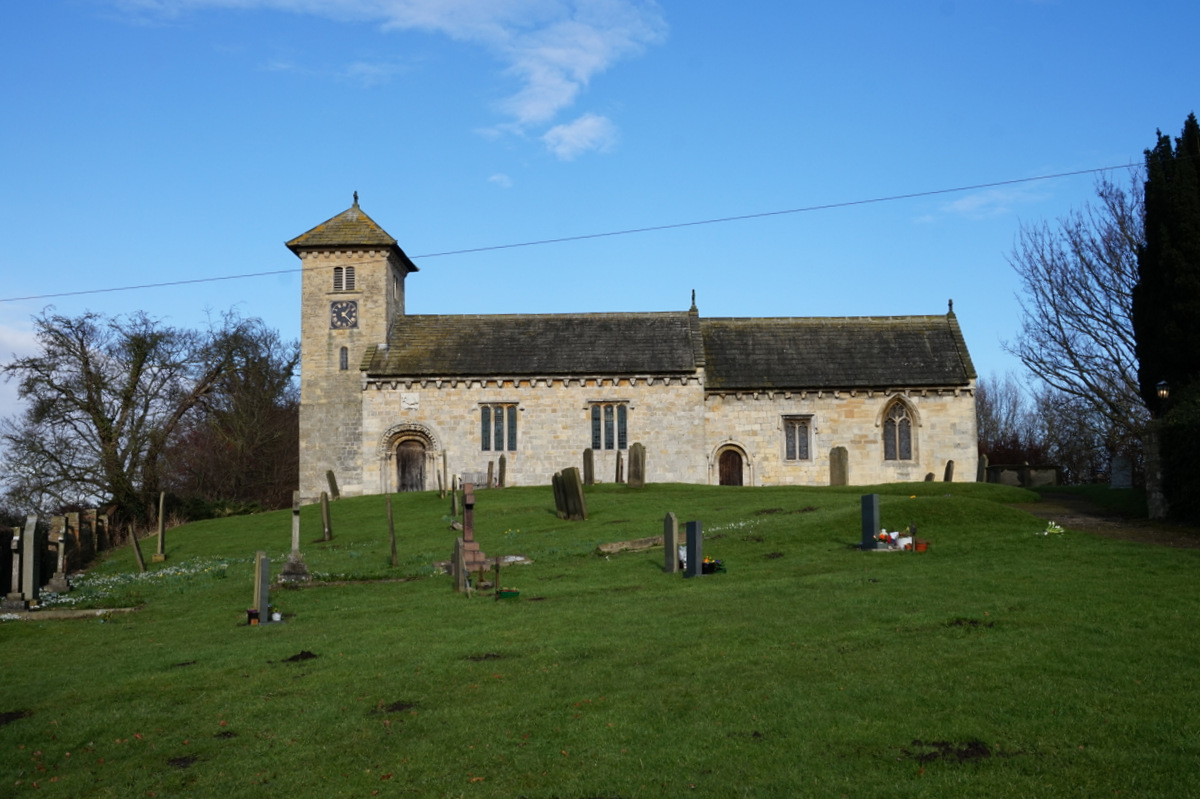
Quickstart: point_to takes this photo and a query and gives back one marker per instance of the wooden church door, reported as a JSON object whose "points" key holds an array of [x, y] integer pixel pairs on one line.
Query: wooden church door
{"points": [[410, 465], [730, 466]]}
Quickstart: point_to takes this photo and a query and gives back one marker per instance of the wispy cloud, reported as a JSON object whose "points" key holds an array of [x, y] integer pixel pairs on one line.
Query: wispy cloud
{"points": [[589, 132], [993, 202], [552, 48], [501, 180]]}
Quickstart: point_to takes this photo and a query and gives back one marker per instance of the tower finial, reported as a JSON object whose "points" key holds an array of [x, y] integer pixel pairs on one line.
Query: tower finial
{"points": [[693, 299], [951, 307], [356, 199]]}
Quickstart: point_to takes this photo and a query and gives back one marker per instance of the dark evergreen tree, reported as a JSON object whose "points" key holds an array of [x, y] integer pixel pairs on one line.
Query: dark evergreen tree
{"points": [[1166, 299]]}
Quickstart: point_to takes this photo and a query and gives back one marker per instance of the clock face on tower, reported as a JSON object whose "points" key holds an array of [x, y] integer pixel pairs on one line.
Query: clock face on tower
{"points": [[343, 314]]}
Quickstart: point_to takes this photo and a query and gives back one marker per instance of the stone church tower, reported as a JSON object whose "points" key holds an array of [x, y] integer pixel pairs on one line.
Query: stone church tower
{"points": [[352, 290]]}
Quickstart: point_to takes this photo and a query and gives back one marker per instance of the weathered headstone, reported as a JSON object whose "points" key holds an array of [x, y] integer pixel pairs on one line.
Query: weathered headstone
{"points": [[870, 520], [454, 509], [137, 548], [262, 586], [568, 495], [929, 477], [59, 539], [670, 543], [467, 555], [620, 468], [503, 479], [589, 467], [446, 473], [392, 531], [839, 466], [295, 570], [490, 473], [1121, 472], [31, 561], [637, 465], [981, 474], [161, 553], [326, 519], [333, 486], [948, 477], [87, 534], [14, 599], [695, 554]]}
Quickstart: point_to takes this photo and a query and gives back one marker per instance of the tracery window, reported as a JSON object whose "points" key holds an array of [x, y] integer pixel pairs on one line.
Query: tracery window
{"points": [[897, 433], [796, 437], [609, 425], [498, 427]]}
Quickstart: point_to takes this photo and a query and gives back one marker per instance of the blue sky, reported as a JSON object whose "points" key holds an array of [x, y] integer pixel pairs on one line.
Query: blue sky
{"points": [[150, 141]]}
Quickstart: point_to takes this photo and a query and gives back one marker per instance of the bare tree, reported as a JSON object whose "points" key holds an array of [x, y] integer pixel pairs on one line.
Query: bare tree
{"points": [[1076, 335], [1007, 422]]}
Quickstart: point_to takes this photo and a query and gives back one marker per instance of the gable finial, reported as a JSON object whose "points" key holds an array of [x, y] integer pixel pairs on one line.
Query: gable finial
{"points": [[356, 199], [693, 300], [951, 311]]}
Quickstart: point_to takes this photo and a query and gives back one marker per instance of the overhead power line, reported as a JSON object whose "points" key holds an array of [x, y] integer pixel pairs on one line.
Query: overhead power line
{"points": [[607, 234]]}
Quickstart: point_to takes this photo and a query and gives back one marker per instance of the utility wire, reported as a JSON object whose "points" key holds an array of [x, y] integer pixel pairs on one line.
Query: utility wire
{"points": [[611, 233]]}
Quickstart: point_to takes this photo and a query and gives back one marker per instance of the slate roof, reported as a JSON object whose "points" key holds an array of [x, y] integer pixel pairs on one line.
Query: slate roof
{"points": [[849, 352], [550, 344], [737, 354], [351, 229]]}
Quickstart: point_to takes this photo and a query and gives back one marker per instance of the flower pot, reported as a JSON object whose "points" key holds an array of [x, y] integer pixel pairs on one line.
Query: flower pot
{"points": [[508, 593], [252, 616], [922, 546]]}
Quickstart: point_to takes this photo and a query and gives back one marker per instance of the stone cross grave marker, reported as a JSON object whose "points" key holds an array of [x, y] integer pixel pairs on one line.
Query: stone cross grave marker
{"points": [[160, 554], [59, 537], [870, 520], [295, 570], [695, 554], [14, 600], [670, 544], [467, 555], [31, 561]]}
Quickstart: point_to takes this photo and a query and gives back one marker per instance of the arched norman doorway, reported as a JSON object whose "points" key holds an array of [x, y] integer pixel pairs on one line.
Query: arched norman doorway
{"points": [[410, 465], [729, 467]]}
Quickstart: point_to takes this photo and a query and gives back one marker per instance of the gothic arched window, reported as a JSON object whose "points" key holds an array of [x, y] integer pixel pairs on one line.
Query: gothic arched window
{"points": [[897, 433]]}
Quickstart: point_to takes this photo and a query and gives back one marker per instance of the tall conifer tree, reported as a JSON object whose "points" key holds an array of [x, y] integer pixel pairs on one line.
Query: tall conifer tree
{"points": [[1166, 299]]}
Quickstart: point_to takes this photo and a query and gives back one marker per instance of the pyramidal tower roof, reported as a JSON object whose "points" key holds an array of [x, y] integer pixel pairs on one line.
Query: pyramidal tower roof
{"points": [[351, 229]]}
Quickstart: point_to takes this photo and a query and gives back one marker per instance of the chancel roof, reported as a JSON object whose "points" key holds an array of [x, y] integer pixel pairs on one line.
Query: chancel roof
{"points": [[735, 354]]}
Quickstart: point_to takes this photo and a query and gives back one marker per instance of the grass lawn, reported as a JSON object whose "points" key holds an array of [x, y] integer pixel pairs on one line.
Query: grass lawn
{"points": [[1001, 662]]}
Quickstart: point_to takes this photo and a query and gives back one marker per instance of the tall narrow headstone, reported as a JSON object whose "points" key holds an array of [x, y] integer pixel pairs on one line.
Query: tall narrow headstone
{"points": [[392, 530], [262, 586], [568, 495], [670, 544], [637, 465], [161, 553], [446, 472], [31, 561], [589, 467], [981, 474], [60, 539], [454, 509], [620, 467], [137, 548], [948, 477], [490, 472], [870, 520], [326, 519], [333, 486], [695, 554], [839, 466], [503, 479], [87, 536], [74, 536], [295, 570], [14, 599]]}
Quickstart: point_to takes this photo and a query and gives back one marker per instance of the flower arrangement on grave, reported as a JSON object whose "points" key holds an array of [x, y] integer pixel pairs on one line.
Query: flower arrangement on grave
{"points": [[712, 566], [1052, 529]]}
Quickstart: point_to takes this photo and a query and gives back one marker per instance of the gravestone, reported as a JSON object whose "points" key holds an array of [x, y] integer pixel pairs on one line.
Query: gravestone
{"points": [[6, 558], [60, 539], [333, 486], [981, 474], [568, 495], [695, 555], [14, 599], [295, 570], [620, 467], [161, 553], [446, 473], [929, 477], [1121, 472], [490, 472], [839, 466], [670, 544], [637, 465], [86, 537], [392, 531], [71, 528], [262, 586], [31, 561], [454, 510], [589, 467], [326, 519], [948, 477], [870, 520], [467, 555], [503, 480], [137, 548]]}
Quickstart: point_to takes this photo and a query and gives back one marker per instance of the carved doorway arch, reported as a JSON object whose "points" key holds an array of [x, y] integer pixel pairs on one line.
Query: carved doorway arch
{"points": [[730, 467], [410, 465], [412, 451]]}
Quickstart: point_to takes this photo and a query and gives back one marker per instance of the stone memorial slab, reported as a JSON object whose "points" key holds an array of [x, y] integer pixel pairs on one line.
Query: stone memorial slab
{"points": [[31, 561], [870, 520], [670, 544], [14, 599], [839, 466], [695, 554]]}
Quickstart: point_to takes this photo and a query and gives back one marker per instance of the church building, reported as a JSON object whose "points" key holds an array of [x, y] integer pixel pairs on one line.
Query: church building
{"points": [[730, 401]]}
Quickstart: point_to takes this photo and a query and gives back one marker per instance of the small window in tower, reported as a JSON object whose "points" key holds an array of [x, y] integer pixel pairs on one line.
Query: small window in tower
{"points": [[344, 359], [337, 278], [349, 278]]}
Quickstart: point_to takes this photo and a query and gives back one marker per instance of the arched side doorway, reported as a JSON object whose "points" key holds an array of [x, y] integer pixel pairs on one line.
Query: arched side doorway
{"points": [[410, 465], [732, 466], [408, 455]]}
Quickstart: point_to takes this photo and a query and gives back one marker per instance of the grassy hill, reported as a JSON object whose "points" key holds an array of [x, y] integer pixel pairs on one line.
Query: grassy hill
{"points": [[1001, 662]]}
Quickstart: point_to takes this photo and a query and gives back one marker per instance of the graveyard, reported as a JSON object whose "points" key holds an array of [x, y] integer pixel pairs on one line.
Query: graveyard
{"points": [[1005, 659]]}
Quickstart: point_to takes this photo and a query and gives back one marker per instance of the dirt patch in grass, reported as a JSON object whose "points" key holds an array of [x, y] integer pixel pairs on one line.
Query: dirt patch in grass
{"points": [[399, 706], [13, 715], [953, 751], [1076, 513], [485, 656], [303, 654], [773, 555], [960, 622], [184, 761]]}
